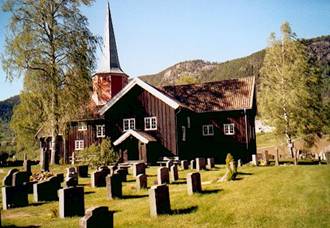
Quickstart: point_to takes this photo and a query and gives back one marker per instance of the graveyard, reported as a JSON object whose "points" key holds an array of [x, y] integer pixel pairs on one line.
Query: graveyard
{"points": [[267, 196]]}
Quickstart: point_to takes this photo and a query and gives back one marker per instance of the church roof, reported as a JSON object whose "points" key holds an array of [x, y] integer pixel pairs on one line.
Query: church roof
{"points": [[109, 61]]}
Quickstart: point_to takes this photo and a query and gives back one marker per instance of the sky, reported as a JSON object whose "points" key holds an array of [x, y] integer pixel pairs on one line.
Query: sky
{"points": [[152, 35]]}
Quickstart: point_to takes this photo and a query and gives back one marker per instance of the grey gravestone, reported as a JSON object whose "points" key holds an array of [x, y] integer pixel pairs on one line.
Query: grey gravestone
{"points": [[97, 217], [194, 183], [71, 202], [192, 164], [169, 163], [184, 164], [265, 157], [8, 179], [327, 157], [174, 176], [46, 190], [82, 170], [210, 163], [254, 160], [27, 167], [14, 196], [159, 200], [122, 173], [98, 178], [239, 163], [141, 181], [20, 178], [163, 175], [200, 163], [114, 186], [277, 160], [138, 168]]}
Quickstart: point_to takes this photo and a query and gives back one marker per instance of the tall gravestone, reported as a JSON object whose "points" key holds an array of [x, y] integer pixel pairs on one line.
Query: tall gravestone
{"points": [[122, 173], [174, 176], [27, 166], [192, 164], [14, 196], [159, 200], [141, 181], [239, 163], [44, 160], [71, 202], [254, 160], [138, 168], [194, 183], [210, 163], [184, 164], [114, 186], [200, 163], [163, 175], [97, 217]]}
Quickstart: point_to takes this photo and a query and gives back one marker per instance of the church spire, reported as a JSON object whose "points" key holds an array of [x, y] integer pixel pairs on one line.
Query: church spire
{"points": [[109, 61]]}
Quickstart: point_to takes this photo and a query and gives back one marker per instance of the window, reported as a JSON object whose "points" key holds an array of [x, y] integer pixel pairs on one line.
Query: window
{"points": [[82, 126], [188, 121], [183, 133], [150, 123], [208, 130], [229, 129], [128, 124], [79, 144], [100, 131]]}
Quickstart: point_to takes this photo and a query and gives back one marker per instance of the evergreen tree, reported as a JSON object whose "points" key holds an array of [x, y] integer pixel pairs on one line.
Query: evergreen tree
{"points": [[290, 96], [50, 44]]}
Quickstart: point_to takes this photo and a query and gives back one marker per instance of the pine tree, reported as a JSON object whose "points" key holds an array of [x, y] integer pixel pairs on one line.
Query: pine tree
{"points": [[50, 44], [290, 97]]}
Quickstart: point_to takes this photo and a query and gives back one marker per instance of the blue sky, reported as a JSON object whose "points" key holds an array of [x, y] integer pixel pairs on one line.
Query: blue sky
{"points": [[154, 34]]}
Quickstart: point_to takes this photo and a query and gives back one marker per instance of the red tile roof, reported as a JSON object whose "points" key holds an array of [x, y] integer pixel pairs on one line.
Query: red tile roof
{"points": [[234, 94]]}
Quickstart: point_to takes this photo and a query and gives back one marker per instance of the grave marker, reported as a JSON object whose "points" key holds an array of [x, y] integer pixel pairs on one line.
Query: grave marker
{"points": [[210, 163], [114, 186], [141, 181], [82, 170], [97, 217], [71, 202], [200, 163], [184, 164], [8, 179], [20, 177], [14, 196], [159, 200], [174, 173], [163, 175], [138, 168], [46, 190], [194, 183]]}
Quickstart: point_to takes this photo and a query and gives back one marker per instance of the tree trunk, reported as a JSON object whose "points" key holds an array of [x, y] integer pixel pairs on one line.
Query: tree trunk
{"points": [[55, 130]]}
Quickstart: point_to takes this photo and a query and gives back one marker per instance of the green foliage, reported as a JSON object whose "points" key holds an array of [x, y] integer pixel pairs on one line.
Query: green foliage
{"points": [[186, 79], [290, 98], [98, 155]]}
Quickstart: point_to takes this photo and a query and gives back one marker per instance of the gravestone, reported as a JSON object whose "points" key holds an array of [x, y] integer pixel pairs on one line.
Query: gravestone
{"points": [[60, 177], [44, 160], [46, 190], [192, 164], [254, 160], [265, 157], [138, 168], [71, 202], [194, 183], [97, 217], [174, 176], [82, 170], [277, 161], [327, 157], [19, 178], [8, 179], [141, 181], [112, 169], [200, 163], [184, 164], [159, 200], [98, 178], [239, 163], [114, 186], [169, 163], [71, 182], [210, 163], [27, 166], [14, 196], [122, 173], [163, 175]]}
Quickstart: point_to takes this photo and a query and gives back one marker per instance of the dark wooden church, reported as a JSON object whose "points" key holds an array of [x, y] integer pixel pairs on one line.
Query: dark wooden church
{"points": [[146, 123]]}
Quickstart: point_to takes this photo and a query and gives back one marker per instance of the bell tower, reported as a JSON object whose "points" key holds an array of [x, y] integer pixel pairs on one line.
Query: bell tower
{"points": [[109, 78]]}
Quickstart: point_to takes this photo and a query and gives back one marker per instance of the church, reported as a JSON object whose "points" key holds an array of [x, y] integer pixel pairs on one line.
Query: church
{"points": [[146, 123]]}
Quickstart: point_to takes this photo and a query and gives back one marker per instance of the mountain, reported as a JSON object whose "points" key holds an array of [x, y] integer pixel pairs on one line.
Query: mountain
{"points": [[6, 111], [318, 48]]}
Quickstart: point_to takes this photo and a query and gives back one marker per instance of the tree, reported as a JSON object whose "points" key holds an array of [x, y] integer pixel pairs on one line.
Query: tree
{"points": [[50, 44], [290, 97], [186, 79]]}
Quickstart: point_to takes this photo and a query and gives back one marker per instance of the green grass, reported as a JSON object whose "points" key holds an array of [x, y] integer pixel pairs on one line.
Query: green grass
{"points": [[266, 139], [285, 196]]}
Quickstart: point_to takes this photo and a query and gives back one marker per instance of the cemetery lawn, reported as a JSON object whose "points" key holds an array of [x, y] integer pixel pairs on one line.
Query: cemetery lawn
{"points": [[285, 196]]}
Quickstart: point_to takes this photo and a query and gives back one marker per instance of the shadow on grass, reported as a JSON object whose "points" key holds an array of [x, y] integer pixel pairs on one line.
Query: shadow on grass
{"points": [[179, 182], [242, 173], [210, 191], [133, 196], [130, 181], [153, 175], [89, 192], [187, 210], [13, 226]]}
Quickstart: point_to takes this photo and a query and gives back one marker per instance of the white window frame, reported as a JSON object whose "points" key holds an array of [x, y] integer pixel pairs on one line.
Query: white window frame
{"points": [[229, 129], [150, 123], [82, 126], [130, 124], [100, 131], [79, 144], [208, 130], [184, 136]]}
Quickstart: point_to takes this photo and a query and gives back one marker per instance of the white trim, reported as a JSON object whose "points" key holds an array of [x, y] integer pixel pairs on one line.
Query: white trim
{"points": [[79, 144], [229, 129], [130, 120], [252, 92], [136, 81], [208, 128], [100, 131], [136, 134], [150, 119]]}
